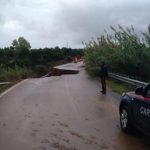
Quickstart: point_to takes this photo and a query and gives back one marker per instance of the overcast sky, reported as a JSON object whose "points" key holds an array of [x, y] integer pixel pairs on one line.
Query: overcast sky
{"points": [[50, 23]]}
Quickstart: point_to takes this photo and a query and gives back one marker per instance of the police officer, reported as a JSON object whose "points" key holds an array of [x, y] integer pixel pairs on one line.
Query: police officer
{"points": [[103, 75]]}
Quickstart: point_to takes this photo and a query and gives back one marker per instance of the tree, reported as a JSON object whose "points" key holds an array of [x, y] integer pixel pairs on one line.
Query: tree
{"points": [[15, 44], [21, 44], [21, 47]]}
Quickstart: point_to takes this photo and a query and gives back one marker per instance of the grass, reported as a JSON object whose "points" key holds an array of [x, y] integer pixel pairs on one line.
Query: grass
{"points": [[4, 87], [120, 87], [13, 75], [116, 85], [7, 86]]}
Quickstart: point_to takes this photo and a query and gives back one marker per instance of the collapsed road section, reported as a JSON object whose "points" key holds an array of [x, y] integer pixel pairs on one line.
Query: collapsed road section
{"points": [[70, 68]]}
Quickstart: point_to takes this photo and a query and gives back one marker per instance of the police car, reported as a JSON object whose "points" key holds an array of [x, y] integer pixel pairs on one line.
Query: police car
{"points": [[135, 110]]}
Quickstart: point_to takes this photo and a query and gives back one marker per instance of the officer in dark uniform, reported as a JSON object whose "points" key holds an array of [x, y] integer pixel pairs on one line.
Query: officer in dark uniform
{"points": [[103, 75]]}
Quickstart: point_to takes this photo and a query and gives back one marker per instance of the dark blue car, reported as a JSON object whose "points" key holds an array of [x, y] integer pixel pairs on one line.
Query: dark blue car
{"points": [[135, 110]]}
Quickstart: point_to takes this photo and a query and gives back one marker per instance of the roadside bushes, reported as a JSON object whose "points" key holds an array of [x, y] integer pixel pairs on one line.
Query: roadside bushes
{"points": [[123, 51], [15, 73], [9, 57], [40, 70], [16, 60]]}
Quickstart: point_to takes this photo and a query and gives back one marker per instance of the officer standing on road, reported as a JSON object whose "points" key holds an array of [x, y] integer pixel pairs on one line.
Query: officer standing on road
{"points": [[103, 75]]}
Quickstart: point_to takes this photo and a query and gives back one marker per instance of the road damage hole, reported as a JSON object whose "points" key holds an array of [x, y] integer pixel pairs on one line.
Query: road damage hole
{"points": [[58, 72]]}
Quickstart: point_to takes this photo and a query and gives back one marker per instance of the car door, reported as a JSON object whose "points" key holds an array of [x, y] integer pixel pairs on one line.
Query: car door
{"points": [[141, 110]]}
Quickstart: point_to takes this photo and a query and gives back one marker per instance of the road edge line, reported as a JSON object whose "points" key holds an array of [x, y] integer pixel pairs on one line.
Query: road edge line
{"points": [[11, 88]]}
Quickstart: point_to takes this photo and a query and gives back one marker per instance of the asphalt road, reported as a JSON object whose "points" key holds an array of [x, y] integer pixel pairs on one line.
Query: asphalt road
{"points": [[65, 112]]}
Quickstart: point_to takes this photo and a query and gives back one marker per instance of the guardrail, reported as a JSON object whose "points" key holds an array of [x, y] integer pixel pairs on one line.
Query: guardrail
{"points": [[3, 83], [127, 80]]}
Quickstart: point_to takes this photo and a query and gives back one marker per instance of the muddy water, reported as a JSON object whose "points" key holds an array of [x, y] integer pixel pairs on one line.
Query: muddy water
{"points": [[64, 112]]}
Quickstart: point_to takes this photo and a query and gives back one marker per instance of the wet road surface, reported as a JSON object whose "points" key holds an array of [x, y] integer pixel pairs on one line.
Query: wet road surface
{"points": [[65, 112]]}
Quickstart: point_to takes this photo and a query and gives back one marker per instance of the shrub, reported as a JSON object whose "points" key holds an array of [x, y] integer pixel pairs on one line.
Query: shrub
{"points": [[40, 70], [15, 73], [68, 59], [123, 51]]}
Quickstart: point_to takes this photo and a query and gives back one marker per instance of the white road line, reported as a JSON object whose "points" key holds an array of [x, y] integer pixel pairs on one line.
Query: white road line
{"points": [[13, 87]]}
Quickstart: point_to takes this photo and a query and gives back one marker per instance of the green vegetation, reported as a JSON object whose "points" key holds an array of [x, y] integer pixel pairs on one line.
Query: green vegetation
{"points": [[20, 61], [15, 73], [4, 87], [40, 70], [120, 87], [124, 52]]}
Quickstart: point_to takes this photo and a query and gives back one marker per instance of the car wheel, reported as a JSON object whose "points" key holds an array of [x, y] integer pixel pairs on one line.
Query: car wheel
{"points": [[125, 121]]}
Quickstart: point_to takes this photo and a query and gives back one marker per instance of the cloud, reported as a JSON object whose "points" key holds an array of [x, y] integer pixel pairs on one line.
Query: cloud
{"points": [[91, 19], [47, 23]]}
